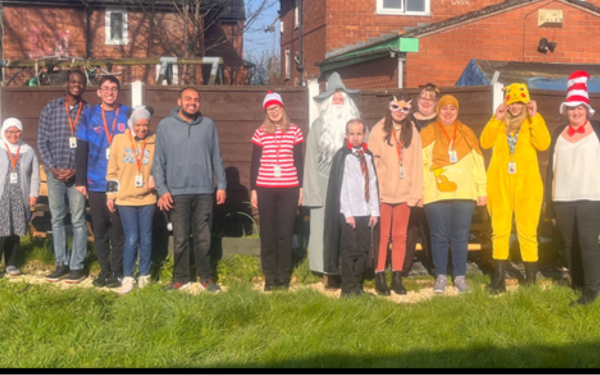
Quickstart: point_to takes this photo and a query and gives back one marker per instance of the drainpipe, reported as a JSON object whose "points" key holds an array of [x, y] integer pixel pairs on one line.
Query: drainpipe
{"points": [[300, 65]]}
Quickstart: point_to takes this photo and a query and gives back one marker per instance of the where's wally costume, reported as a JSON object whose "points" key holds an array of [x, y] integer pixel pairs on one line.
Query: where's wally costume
{"points": [[573, 190]]}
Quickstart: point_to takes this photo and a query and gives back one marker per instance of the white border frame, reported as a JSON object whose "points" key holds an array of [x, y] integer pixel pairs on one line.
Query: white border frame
{"points": [[402, 12], [107, 40]]}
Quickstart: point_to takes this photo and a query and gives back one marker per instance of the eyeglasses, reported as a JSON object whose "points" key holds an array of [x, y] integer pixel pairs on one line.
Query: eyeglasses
{"points": [[11, 132], [274, 109], [395, 108], [109, 89]]}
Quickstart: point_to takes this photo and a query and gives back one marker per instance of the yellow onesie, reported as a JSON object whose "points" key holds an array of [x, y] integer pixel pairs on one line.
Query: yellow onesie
{"points": [[520, 192]]}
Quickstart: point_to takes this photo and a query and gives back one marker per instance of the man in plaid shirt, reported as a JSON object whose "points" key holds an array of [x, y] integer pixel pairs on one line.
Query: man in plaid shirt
{"points": [[57, 143]]}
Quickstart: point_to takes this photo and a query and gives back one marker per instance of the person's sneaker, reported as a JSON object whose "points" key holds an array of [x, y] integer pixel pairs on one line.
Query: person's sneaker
{"points": [[209, 286], [13, 271], [127, 285], [460, 284], [440, 284], [59, 273], [143, 281], [178, 286], [75, 277], [100, 281], [113, 281]]}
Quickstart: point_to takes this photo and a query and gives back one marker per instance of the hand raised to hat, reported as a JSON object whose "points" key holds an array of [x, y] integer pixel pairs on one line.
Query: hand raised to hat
{"points": [[500, 111], [532, 108]]}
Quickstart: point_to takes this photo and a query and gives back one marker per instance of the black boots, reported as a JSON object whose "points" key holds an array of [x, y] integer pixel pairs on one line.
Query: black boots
{"points": [[498, 284], [530, 273], [397, 286], [381, 284], [586, 298]]}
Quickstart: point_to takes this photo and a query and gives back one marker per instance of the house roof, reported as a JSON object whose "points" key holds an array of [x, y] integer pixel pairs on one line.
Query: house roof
{"points": [[336, 57], [229, 9]]}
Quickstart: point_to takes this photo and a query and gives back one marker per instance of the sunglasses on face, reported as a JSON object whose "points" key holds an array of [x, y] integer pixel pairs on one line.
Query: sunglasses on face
{"points": [[395, 108]]}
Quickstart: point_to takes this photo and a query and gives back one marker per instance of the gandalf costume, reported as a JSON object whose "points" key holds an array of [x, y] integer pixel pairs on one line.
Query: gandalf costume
{"points": [[325, 137]]}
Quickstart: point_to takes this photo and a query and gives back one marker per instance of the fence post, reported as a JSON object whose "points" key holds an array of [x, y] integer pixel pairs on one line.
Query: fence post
{"points": [[497, 95], [137, 93], [313, 108]]}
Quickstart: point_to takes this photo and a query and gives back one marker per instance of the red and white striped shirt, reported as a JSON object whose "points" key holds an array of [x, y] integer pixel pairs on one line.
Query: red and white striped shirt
{"points": [[277, 149]]}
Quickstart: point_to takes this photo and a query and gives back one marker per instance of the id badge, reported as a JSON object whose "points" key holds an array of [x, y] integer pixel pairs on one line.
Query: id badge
{"points": [[73, 142], [512, 167], [13, 177], [277, 171], [453, 156], [139, 181], [107, 153], [402, 172]]}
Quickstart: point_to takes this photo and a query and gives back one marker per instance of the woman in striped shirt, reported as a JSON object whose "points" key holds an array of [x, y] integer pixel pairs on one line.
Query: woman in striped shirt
{"points": [[276, 182]]}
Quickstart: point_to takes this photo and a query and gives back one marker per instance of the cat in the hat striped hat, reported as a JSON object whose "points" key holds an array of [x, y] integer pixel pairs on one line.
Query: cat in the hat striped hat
{"points": [[577, 93]]}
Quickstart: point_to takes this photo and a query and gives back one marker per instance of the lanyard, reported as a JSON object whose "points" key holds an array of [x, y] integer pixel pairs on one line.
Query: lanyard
{"points": [[399, 147], [14, 160], [77, 117], [446, 134], [278, 143], [138, 158], [109, 136]]}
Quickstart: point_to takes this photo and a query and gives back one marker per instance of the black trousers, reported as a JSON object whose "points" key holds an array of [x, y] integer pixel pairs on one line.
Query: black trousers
{"points": [[277, 207], [102, 220], [10, 247], [417, 226], [579, 221], [192, 213], [354, 250]]}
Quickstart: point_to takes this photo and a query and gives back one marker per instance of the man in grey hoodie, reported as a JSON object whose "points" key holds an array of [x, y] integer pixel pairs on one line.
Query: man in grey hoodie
{"points": [[187, 161]]}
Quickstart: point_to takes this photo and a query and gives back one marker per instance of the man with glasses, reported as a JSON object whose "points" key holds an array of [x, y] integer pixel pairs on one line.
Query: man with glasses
{"points": [[57, 143], [187, 161], [100, 124]]}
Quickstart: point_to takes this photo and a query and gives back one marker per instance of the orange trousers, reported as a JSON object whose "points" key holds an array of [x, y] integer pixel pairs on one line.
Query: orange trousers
{"points": [[393, 225]]}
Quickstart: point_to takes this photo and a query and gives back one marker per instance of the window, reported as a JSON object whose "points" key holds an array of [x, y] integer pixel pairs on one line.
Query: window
{"points": [[281, 26], [408, 7], [115, 27], [297, 19], [173, 72], [288, 70]]}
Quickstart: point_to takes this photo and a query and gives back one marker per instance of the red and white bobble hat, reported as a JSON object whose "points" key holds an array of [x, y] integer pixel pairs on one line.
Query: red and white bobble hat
{"points": [[577, 92], [271, 99]]}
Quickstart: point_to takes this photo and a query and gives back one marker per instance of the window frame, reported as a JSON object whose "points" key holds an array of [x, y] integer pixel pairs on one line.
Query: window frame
{"points": [[107, 27], [403, 11]]}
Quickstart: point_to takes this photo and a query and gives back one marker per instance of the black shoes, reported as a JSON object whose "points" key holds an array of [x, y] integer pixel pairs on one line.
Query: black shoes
{"points": [[100, 281], [113, 281], [530, 273], [397, 286], [498, 284], [586, 298], [59, 273], [75, 277], [381, 284], [269, 287]]}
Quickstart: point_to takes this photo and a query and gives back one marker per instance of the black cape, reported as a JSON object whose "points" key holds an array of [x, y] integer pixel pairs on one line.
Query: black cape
{"points": [[333, 223]]}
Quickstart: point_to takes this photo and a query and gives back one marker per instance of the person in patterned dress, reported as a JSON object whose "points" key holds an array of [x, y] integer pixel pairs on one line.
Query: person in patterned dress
{"points": [[19, 189]]}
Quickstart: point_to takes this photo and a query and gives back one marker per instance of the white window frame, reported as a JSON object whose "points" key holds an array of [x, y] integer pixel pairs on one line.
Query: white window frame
{"points": [[402, 11], [297, 19], [175, 78], [107, 39], [288, 64]]}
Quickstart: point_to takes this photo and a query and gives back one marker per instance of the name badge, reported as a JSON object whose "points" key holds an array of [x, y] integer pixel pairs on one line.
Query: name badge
{"points": [[73, 142], [139, 181], [402, 171], [512, 167], [453, 156], [107, 153], [277, 171], [13, 177]]}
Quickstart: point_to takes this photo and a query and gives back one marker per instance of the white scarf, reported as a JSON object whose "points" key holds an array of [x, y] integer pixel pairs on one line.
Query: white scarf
{"points": [[13, 148]]}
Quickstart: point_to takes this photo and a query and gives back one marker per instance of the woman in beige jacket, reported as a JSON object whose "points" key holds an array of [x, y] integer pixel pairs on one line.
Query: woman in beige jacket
{"points": [[396, 147]]}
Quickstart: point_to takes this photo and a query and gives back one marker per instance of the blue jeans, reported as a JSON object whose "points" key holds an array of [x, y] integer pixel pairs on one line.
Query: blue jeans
{"points": [[450, 224], [58, 191], [137, 224]]}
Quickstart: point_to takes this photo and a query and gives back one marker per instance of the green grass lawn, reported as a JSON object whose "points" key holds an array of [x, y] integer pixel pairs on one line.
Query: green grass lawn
{"points": [[44, 326]]}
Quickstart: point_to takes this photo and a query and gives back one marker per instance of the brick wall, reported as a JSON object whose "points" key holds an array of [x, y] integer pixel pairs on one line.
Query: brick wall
{"points": [[510, 36], [34, 32]]}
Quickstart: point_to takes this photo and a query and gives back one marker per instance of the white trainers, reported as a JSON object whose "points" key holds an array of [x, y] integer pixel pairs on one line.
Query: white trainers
{"points": [[143, 281], [127, 285]]}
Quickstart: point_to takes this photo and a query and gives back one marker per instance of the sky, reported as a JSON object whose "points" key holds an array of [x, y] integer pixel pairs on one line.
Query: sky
{"points": [[256, 40]]}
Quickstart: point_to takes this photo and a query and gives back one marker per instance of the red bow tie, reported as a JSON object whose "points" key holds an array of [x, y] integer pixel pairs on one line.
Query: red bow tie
{"points": [[572, 131]]}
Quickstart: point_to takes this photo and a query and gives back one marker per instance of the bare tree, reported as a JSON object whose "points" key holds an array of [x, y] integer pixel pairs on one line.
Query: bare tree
{"points": [[266, 70]]}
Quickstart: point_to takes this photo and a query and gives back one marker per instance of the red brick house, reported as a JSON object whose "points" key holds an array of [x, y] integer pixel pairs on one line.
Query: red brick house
{"points": [[361, 39], [123, 29]]}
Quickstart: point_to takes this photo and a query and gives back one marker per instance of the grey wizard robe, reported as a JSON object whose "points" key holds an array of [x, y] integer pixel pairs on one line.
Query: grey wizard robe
{"points": [[316, 177]]}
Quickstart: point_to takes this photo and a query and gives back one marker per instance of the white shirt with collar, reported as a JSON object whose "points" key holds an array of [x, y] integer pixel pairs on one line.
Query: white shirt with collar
{"points": [[352, 198]]}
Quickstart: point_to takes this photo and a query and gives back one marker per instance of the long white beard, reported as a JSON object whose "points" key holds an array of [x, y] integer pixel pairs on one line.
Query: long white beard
{"points": [[332, 136]]}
